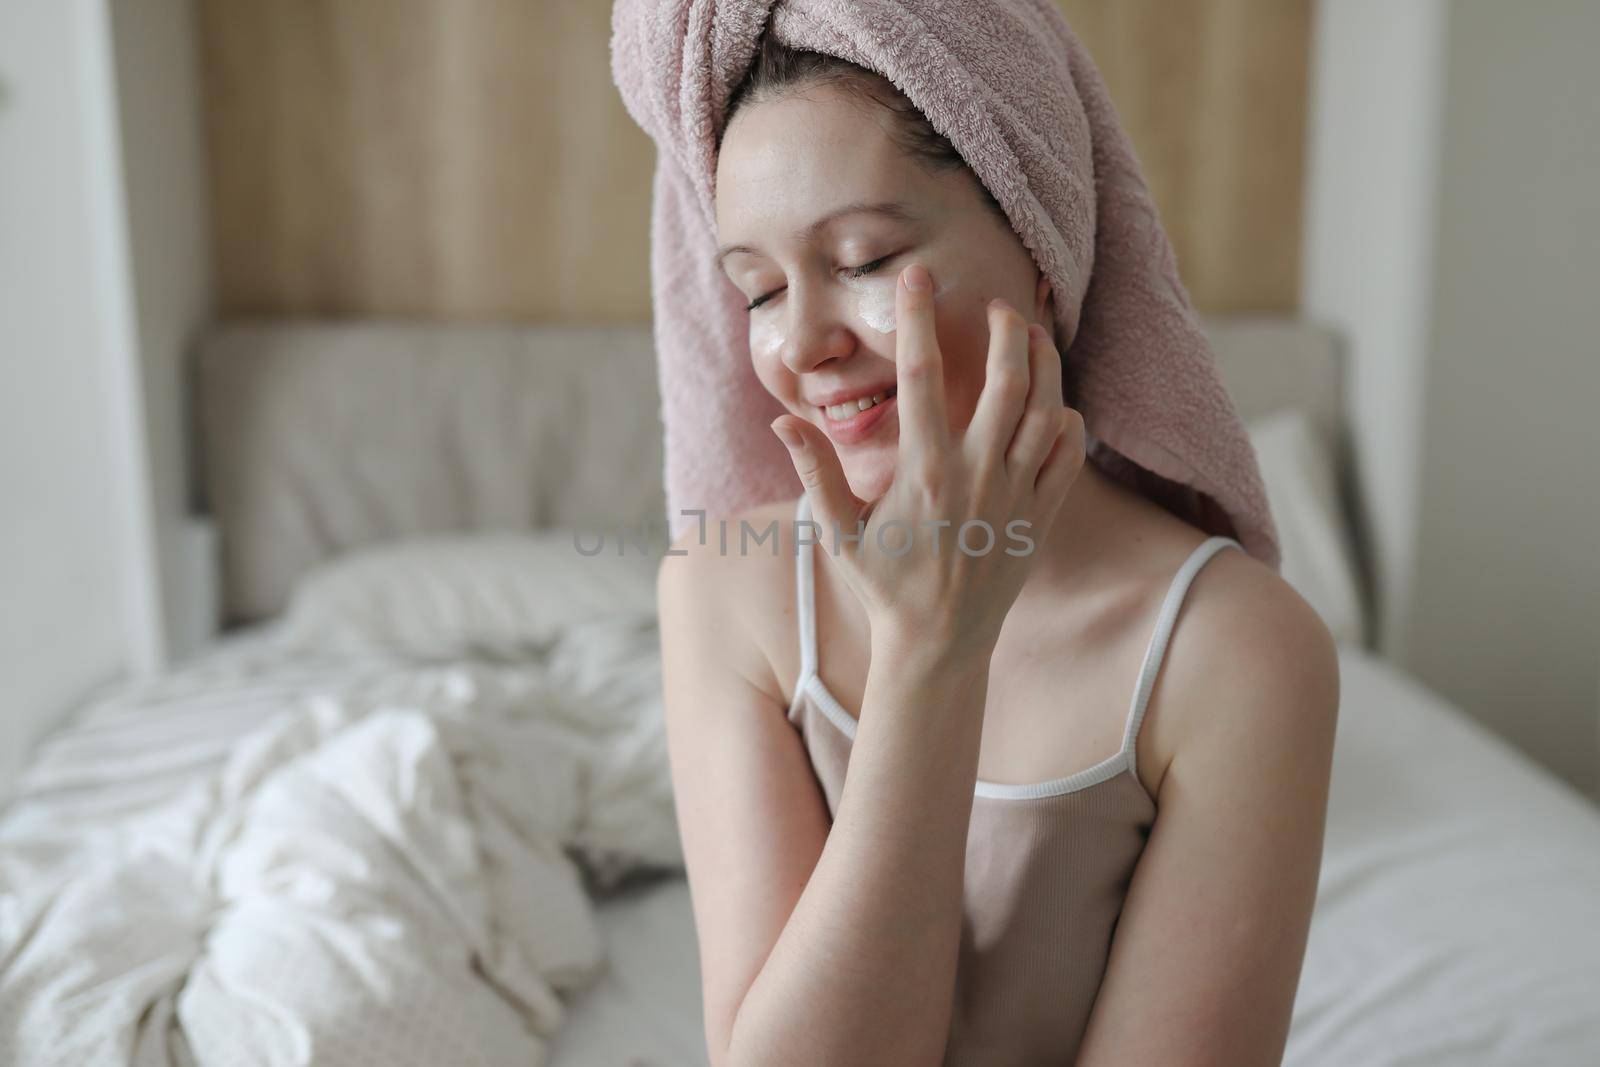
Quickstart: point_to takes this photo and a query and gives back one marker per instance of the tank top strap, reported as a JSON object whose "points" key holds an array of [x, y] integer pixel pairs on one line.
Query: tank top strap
{"points": [[805, 597], [807, 533], [1157, 649]]}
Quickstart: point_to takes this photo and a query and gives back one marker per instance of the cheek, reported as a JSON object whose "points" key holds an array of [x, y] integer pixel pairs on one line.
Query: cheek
{"points": [[874, 299], [766, 351], [964, 343]]}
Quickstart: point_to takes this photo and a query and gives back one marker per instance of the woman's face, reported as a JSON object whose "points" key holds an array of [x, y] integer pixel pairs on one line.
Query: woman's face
{"points": [[818, 211]]}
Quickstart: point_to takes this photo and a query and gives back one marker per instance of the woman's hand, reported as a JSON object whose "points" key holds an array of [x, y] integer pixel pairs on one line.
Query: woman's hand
{"points": [[944, 552]]}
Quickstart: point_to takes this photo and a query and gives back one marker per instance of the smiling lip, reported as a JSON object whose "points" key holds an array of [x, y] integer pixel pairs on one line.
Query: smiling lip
{"points": [[858, 427], [839, 396]]}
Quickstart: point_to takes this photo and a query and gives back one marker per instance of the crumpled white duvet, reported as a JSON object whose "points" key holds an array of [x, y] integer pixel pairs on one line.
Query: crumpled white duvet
{"points": [[266, 858]]}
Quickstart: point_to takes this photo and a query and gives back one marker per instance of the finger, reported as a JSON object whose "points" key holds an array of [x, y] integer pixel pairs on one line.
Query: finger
{"points": [[1005, 385], [1041, 415], [833, 505], [1062, 466], [919, 370]]}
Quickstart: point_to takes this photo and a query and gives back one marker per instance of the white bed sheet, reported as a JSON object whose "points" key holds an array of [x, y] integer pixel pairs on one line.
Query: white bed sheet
{"points": [[1458, 919], [272, 856], [644, 1011], [1458, 915]]}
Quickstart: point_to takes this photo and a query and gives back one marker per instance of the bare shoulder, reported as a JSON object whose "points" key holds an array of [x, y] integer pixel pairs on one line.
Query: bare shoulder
{"points": [[734, 578], [1250, 659], [1215, 921]]}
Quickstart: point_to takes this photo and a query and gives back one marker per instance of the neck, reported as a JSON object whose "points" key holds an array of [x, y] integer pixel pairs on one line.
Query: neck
{"points": [[1096, 514]]}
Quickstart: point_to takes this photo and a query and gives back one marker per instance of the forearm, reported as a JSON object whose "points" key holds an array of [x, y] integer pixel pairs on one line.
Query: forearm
{"points": [[864, 969]]}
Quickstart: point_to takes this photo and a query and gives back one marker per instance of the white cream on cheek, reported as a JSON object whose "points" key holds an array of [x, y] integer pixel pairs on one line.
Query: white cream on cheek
{"points": [[875, 306], [875, 300], [766, 336]]}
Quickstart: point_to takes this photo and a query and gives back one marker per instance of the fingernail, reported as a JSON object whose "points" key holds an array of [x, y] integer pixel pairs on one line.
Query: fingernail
{"points": [[790, 439], [998, 304], [916, 278], [1037, 332]]}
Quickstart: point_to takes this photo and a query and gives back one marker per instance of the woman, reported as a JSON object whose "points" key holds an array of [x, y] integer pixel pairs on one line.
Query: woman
{"points": [[941, 804]]}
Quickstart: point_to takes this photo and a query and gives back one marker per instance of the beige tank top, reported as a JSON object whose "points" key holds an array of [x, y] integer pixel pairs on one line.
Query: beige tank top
{"points": [[1048, 863]]}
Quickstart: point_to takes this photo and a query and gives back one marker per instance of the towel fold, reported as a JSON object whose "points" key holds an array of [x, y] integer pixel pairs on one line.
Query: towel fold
{"points": [[1014, 90]]}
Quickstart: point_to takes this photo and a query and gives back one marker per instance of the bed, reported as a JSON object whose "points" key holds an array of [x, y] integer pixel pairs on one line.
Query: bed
{"points": [[412, 806]]}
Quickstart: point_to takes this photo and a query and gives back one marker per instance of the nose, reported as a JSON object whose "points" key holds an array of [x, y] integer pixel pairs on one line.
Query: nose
{"points": [[816, 332]]}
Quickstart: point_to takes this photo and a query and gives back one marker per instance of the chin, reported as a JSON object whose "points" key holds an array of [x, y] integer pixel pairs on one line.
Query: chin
{"points": [[869, 481]]}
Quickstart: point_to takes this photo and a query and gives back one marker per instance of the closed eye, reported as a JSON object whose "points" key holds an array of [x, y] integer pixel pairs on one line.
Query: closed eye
{"points": [[868, 268], [853, 272]]}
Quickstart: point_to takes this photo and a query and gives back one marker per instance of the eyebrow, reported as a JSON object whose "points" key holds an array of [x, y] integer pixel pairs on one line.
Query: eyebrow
{"points": [[890, 209]]}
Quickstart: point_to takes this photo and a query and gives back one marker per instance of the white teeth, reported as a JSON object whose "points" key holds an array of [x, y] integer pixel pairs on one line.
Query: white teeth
{"points": [[840, 412]]}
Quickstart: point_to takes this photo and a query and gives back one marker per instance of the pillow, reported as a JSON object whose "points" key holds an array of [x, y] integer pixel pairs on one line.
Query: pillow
{"points": [[499, 595], [1297, 467]]}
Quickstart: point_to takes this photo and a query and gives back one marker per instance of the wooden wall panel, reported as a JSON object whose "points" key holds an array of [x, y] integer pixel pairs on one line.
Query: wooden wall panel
{"points": [[1213, 94], [472, 160], [423, 157]]}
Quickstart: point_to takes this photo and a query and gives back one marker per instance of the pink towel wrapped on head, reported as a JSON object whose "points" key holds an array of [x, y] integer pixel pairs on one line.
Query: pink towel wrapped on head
{"points": [[1015, 92]]}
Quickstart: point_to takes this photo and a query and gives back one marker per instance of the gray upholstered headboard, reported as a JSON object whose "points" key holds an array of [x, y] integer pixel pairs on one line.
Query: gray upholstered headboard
{"points": [[316, 438]]}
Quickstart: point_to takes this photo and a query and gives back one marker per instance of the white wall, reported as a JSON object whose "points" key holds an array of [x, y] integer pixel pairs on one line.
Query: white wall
{"points": [[1506, 600], [1453, 237], [94, 317], [1372, 168], [156, 56], [66, 584]]}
